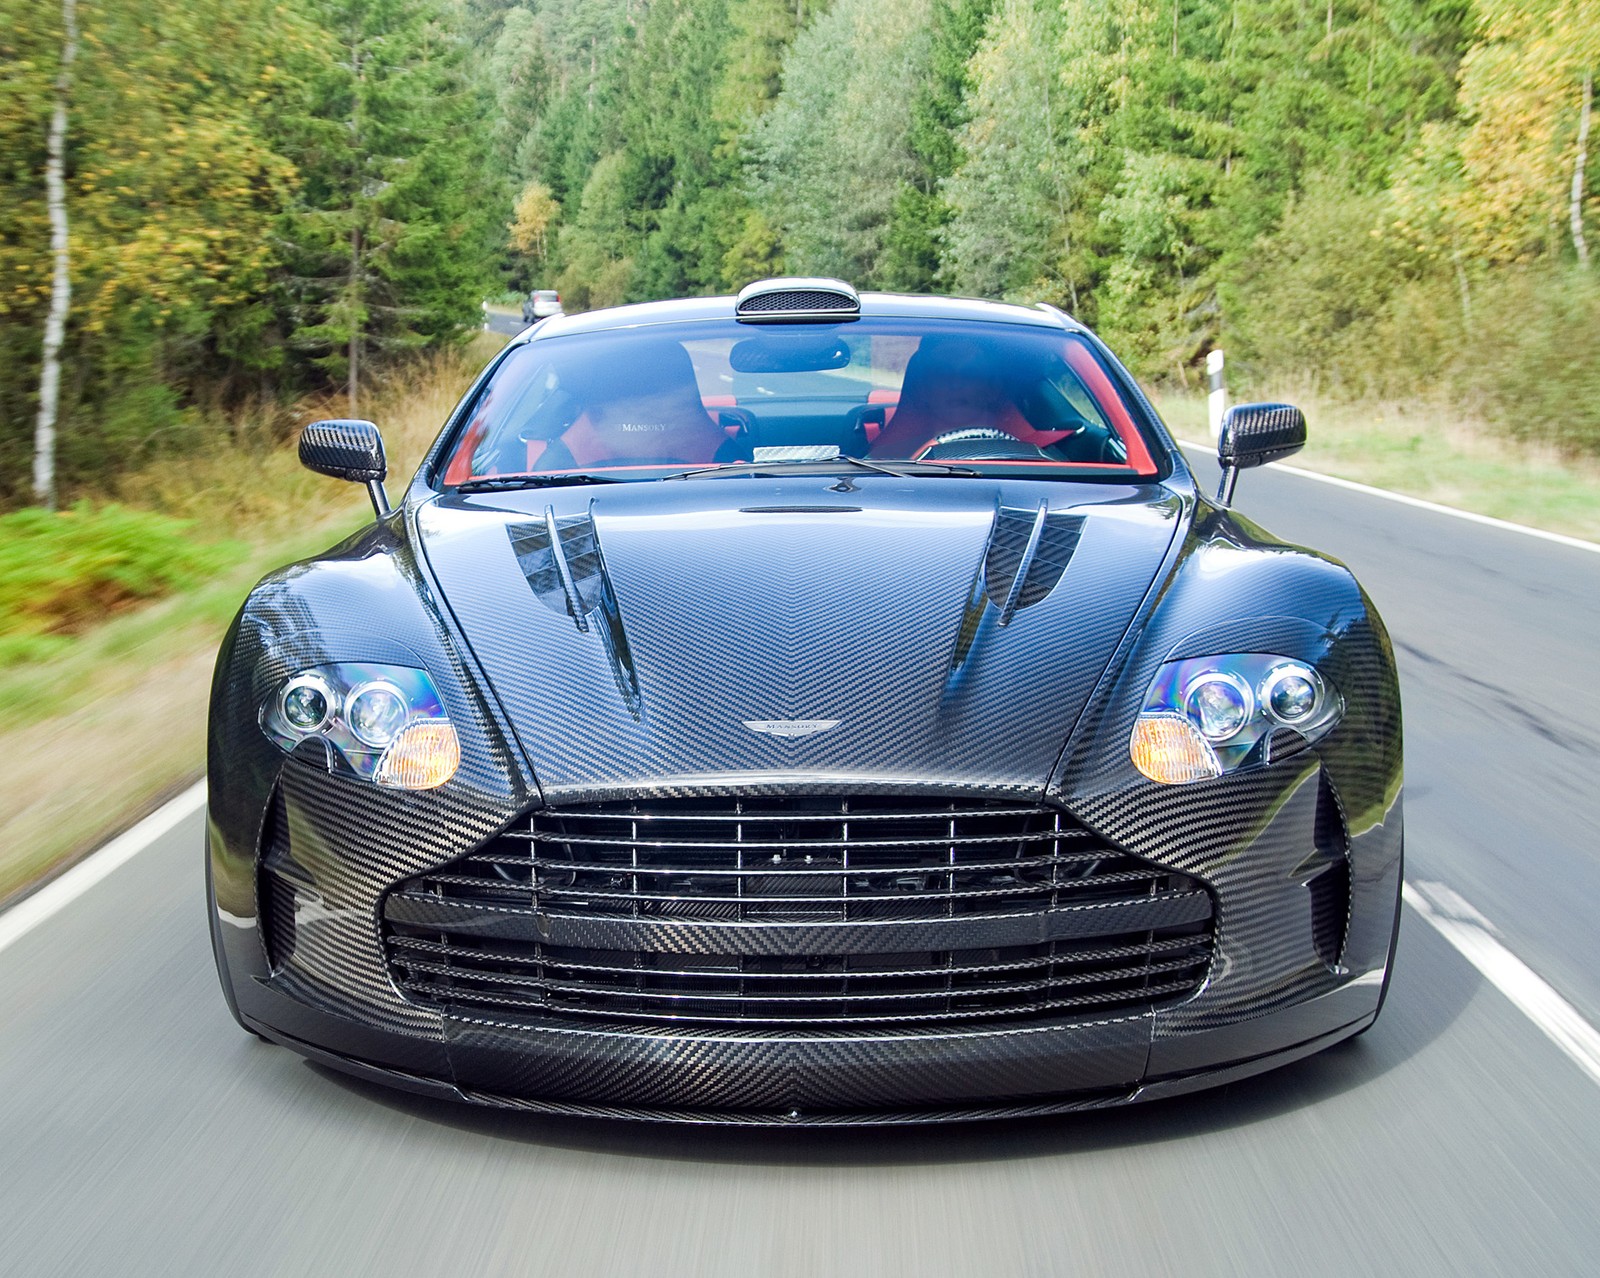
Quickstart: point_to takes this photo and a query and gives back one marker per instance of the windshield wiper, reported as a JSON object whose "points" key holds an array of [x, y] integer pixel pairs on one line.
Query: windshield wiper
{"points": [[822, 465], [509, 483]]}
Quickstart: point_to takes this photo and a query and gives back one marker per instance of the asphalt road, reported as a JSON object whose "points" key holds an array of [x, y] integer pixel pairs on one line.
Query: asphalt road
{"points": [[497, 322], [141, 1132]]}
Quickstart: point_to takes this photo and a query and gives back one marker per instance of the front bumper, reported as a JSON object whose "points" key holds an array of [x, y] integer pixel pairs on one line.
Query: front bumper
{"points": [[1269, 998]]}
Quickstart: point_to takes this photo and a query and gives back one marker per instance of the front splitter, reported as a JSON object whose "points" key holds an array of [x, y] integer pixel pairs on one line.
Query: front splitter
{"points": [[1080, 1102]]}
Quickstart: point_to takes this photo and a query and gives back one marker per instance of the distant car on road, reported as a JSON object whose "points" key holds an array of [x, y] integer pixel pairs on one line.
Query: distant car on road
{"points": [[541, 304], [806, 707]]}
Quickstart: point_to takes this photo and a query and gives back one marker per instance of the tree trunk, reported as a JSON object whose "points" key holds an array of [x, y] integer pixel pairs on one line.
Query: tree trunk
{"points": [[55, 325], [1461, 286], [1578, 242], [357, 211], [355, 320]]}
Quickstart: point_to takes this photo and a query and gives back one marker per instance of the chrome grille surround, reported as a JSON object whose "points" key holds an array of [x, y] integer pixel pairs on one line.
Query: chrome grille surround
{"points": [[798, 912]]}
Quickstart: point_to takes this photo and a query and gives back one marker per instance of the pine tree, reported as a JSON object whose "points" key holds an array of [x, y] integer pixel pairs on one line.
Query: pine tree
{"points": [[832, 153], [921, 210], [389, 235]]}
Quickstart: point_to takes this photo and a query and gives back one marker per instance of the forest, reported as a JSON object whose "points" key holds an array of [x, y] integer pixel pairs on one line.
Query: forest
{"points": [[270, 198]]}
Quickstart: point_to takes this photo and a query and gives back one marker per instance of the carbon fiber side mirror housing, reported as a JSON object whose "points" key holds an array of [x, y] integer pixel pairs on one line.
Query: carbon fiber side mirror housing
{"points": [[1253, 435], [348, 448]]}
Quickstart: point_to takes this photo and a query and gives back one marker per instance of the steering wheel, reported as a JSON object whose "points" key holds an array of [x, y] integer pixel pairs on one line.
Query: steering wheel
{"points": [[976, 443]]}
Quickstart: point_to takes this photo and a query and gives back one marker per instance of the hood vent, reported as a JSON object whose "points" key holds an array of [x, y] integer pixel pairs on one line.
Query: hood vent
{"points": [[561, 560], [797, 301], [1028, 552]]}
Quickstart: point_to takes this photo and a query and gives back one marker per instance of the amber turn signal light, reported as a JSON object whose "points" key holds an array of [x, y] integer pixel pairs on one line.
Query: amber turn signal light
{"points": [[1169, 748], [425, 754]]}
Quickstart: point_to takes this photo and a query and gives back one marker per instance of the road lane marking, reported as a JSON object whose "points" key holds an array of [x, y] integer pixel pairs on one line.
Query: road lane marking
{"points": [[55, 896], [1561, 539], [1472, 936]]}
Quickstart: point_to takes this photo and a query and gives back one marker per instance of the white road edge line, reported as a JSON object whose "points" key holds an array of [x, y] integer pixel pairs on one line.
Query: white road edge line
{"points": [[1561, 539], [1469, 932], [51, 899]]}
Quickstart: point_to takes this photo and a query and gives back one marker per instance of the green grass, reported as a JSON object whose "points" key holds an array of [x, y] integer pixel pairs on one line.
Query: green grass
{"points": [[63, 573], [1428, 451], [32, 691]]}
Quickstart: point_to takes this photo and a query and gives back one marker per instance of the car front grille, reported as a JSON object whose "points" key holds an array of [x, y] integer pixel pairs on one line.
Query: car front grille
{"points": [[784, 911]]}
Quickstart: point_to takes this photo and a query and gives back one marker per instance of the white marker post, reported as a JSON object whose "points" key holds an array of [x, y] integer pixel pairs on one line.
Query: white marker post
{"points": [[485, 306], [1219, 392]]}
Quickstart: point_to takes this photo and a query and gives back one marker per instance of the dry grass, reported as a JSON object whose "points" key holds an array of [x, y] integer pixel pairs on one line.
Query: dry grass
{"points": [[1430, 451], [100, 734]]}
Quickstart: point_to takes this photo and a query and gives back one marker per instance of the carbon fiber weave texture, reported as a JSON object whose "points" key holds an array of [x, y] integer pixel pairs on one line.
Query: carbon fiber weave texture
{"points": [[1255, 434], [347, 839], [809, 619], [731, 617], [345, 448], [1251, 836]]}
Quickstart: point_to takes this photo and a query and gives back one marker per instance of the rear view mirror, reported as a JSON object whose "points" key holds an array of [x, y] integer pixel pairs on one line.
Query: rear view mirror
{"points": [[1253, 435], [348, 448], [785, 353]]}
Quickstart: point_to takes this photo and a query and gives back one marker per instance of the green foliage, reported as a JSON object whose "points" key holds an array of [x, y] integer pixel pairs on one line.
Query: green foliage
{"points": [[1335, 300], [1529, 362], [387, 244], [63, 572], [172, 191], [912, 242], [1343, 191], [1008, 233], [250, 184], [831, 155]]}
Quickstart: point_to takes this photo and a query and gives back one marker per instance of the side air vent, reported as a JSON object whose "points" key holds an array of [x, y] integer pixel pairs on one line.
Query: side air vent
{"points": [[1330, 887], [797, 301], [275, 893]]}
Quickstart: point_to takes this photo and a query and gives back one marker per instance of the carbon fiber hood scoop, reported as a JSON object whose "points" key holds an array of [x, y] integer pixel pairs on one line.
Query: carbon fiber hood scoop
{"points": [[769, 633]]}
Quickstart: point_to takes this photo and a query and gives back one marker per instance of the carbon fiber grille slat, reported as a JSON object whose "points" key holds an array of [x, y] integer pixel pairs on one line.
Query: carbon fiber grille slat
{"points": [[859, 862]]}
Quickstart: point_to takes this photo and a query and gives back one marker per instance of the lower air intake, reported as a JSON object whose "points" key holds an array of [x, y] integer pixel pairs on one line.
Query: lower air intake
{"points": [[792, 912]]}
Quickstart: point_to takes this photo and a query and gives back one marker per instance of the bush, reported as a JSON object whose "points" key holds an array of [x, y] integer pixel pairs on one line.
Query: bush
{"points": [[62, 573], [1330, 298], [1531, 365]]}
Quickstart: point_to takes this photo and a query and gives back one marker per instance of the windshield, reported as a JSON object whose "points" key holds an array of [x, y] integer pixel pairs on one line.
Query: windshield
{"points": [[643, 403]]}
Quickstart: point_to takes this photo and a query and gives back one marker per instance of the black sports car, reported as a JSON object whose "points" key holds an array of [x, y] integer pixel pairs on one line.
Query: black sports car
{"points": [[806, 707]]}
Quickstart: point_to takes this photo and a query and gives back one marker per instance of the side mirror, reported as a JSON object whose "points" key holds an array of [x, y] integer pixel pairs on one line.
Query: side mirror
{"points": [[348, 448], [1253, 435]]}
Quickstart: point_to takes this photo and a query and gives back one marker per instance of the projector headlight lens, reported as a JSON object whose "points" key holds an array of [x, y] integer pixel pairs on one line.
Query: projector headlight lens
{"points": [[307, 703], [1290, 693], [376, 714], [1231, 705], [1220, 705], [384, 723]]}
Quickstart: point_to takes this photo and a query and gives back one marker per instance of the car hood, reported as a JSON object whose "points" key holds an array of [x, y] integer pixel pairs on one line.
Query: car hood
{"points": [[797, 632]]}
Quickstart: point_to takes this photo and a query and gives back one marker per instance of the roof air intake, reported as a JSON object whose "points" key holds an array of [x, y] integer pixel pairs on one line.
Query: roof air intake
{"points": [[797, 301]]}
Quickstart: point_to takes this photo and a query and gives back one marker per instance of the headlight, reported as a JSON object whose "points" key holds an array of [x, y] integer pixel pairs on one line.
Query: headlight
{"points": [[376, 712], [385, 723], [1204, 716]]}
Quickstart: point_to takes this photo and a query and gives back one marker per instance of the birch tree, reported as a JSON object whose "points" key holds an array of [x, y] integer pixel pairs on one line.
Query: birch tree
{"points": [[55, 326]]}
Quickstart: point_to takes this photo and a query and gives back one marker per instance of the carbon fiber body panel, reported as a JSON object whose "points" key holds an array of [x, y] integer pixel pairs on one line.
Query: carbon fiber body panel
{"points": [[806, 636]]}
